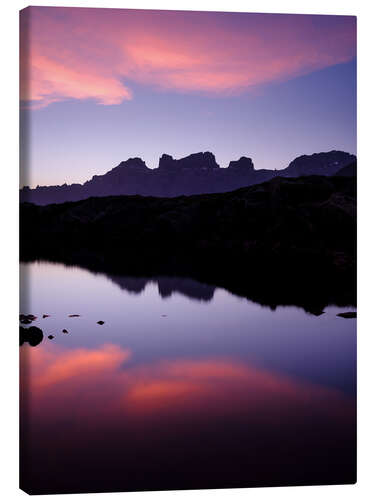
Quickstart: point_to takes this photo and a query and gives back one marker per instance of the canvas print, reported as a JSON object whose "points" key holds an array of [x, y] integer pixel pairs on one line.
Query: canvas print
{"points": [[188, 250]]}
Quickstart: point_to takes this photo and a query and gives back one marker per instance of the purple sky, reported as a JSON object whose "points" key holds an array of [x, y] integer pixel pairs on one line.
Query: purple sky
{"points": [[101, 85]]}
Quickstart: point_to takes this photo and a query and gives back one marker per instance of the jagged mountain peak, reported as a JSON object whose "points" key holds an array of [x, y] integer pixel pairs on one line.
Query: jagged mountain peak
{"points": [[243, 164], [198, 173], [202, 160], [135, 162], [324, 163]]}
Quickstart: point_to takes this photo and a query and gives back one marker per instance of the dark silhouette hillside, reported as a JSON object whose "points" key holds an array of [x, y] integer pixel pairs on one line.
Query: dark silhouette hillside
{"points": [[349, 170], [289, 240], [195, 174]]}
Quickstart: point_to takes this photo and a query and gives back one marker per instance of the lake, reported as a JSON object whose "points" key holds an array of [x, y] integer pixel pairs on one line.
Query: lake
{"points": [[185, 385]]}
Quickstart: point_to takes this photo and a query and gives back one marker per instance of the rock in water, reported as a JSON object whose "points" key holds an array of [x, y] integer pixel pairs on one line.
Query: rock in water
{"points": [[100, 322], [32, 335], [26, 319], [347, 315]]}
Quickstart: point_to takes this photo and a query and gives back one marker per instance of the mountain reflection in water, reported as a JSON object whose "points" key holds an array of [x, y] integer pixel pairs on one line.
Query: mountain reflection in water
{"points": [[167, 285]]}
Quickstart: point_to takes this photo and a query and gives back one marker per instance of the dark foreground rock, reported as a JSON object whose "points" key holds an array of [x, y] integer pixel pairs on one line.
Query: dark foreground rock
{"points": [[33, 335]]}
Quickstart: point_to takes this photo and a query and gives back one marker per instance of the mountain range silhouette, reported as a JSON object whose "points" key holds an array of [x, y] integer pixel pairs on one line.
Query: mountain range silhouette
{"points": [[198, 173]]}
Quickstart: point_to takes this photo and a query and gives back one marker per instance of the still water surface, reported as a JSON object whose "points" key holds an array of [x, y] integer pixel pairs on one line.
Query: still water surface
{"points": [[184, 386]]}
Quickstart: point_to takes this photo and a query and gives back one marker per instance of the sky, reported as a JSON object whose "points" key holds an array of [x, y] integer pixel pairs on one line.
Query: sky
{"points": [[101, 85]]}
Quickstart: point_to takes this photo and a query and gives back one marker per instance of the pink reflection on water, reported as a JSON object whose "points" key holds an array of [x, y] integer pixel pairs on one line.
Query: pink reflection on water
{"points": [[94, 420], [100, 378]]}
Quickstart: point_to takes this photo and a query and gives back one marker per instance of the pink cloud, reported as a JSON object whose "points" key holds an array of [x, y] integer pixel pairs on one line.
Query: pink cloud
{"points": [[97, 54]]}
